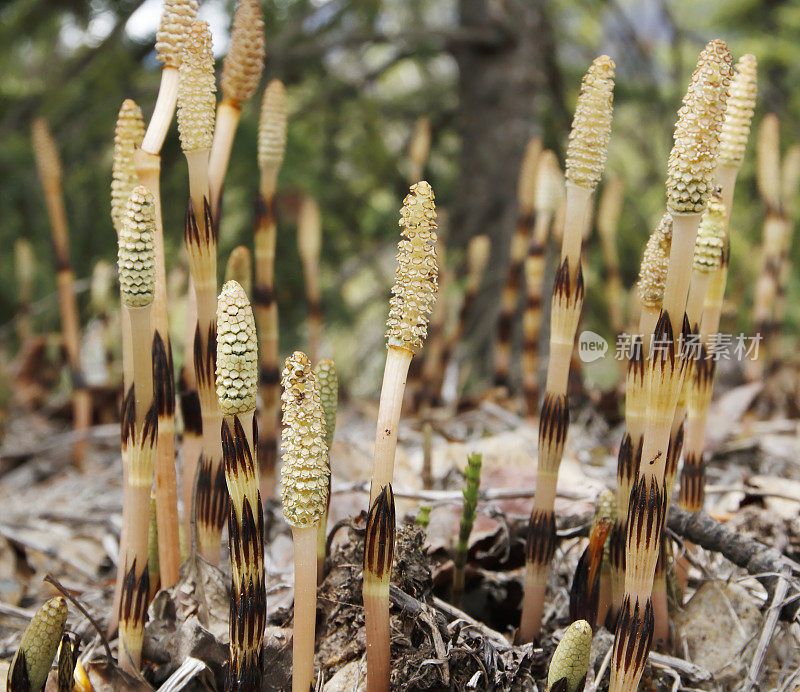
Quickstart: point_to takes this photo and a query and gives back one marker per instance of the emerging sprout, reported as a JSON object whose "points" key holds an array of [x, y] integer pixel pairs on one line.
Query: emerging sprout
{"points": [[472, 472], [31, 663], [127, 136], [739, 112], [697, 132], [328, 383], [196, 90], [244, 63], [710, 242], [237, 349], [137, 273], [591, 125], [176, 19], [272, 126], [414, 290], [304, 476], [655, 264], [570, 661]]}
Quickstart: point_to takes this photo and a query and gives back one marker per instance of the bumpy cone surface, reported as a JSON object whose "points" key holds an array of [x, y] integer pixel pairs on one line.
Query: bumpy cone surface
{"points": [[136, 257], [304, 475], [272, 126], [571, 658], [328, 383], [655, 264], [416, 278], [38, 646], [244, 63], [176, 19], [739, 111], [127, 136], [710, 242], [694, 155], [591, 126], [196, 90], [237, 351]]}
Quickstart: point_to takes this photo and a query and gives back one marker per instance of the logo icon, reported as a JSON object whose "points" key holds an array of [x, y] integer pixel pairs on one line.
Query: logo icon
{"points": [[591, 346]]}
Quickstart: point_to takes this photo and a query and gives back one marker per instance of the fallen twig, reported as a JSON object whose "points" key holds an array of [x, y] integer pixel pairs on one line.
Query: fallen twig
{"points": [[747, 553], [767, 631], [455, 496], [50, 579]]}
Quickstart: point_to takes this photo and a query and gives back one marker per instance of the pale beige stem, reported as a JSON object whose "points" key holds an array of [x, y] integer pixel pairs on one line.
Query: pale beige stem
{"points": [[139, 480], [391, 403], [141, 327], [578, 208], [162, 113], [197, 162], [725, 177], [305, 607], [228, 114], [376, 616], [676, 289]]}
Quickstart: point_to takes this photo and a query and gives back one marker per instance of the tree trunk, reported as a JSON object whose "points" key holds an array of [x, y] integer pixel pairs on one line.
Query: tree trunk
{"points": [[505, 85]]}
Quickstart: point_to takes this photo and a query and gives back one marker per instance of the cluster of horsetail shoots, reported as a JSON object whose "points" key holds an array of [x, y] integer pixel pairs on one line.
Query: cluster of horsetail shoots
{"points": [[305, 482], [549, 192], [48, 164], [570, 663], [472, 472], [136, 264], [32, 661], [309, 244], [132, 163], [608, 213], [689, 184], [413, 296], [328, 384], [586, 155], [196, 104], [176, 20], [650, 289], [241, 73], [526, 199], [128, 135], [236, 381], [239, 268], [271, 149], [733, 143]]}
